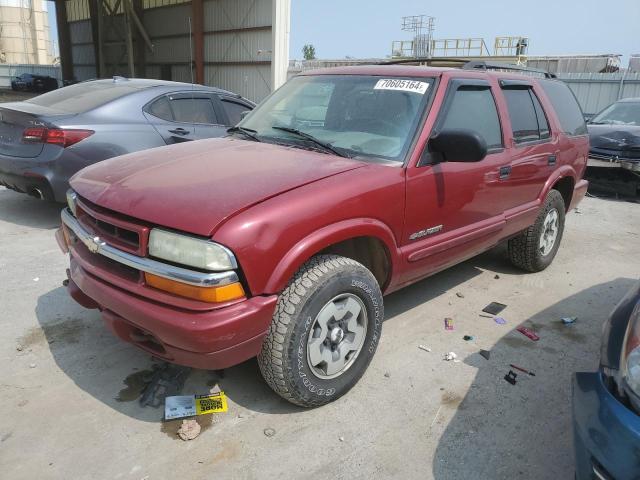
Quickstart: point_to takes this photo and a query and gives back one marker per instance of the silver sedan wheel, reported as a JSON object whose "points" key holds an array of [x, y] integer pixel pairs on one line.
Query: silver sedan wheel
{"points": [[550, 229], [336, 336]]}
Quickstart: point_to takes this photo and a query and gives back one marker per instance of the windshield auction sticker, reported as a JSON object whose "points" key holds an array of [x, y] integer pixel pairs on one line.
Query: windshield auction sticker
{"points": [[402, 85]]}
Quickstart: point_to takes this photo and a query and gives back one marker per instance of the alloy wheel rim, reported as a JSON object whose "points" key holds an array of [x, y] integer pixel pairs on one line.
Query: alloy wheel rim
{"points": [[550, 229], [336, 336]]}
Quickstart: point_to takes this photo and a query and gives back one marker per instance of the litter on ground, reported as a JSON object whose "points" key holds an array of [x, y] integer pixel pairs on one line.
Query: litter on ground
{"points": [[499, 320], [511, 377], [448, 323], [568, 320], [527, 332], [189, 430], [190, 405], [494, 308], [450, 356], [424, 347], [523, 370]]}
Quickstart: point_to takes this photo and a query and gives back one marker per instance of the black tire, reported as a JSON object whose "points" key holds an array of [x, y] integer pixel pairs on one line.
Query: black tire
{"points": [[283, 358], [524, 250]]}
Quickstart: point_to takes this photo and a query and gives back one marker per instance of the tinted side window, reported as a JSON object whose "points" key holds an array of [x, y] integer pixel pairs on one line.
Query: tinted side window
{"points": [[566, 107], [524, 118], [543, 124], [161, 109], [234, 111], [193, 110], [474, 108]]}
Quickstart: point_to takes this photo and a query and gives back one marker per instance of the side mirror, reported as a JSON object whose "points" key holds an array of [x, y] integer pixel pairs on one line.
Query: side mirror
{"points": [[244, 114], [458, 145]]}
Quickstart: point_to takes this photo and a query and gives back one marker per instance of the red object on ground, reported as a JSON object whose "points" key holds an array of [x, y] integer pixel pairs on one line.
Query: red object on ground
{"points": [[527, 332]]}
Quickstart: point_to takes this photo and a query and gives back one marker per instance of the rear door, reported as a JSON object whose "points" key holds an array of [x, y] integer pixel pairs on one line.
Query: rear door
{"points": [[534, 147], [455, 209], [181, 117]]}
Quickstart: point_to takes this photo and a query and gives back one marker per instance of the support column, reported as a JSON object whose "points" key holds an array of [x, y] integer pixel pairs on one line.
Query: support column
{"points": [[64, 40], [94, 13], [197, 26], [280, 20], [139, 43]]}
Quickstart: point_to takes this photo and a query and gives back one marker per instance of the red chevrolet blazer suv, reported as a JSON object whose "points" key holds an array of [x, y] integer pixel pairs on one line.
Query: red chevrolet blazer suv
{"points": [[280, 240]]}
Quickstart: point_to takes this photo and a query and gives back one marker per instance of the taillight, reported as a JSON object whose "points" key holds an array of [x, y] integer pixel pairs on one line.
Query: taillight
{"points": [[55, 136]]}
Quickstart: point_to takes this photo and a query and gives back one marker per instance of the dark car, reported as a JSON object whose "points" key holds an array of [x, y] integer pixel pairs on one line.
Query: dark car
{"points": [[45, 140], [615, 133], [34, 83], [606, 403]]}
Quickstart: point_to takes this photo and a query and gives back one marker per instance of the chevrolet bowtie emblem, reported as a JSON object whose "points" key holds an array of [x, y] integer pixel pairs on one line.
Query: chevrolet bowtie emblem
{"points": [[94, 244]]}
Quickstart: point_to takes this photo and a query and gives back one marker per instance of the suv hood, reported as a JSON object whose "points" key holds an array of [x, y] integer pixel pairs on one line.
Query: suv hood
{"points": [[194, 186]]}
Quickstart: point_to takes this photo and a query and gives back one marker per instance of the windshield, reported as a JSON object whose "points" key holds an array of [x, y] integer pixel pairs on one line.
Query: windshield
{"points": [[622, 113], [354, 115]]}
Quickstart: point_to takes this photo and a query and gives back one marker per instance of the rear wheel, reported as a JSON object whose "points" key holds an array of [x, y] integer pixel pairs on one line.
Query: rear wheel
{"points": [[535, 248], [324, 332]]}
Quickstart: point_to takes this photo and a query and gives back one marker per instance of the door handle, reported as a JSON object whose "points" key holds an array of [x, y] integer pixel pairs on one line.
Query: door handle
{"points": [[505, 172], [179, 131], [551, 160]]}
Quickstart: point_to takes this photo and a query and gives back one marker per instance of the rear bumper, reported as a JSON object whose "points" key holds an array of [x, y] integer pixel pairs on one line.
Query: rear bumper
{"points": [[212, 339], [30, 183], [49, 175], [579, 191], [606, 433]]}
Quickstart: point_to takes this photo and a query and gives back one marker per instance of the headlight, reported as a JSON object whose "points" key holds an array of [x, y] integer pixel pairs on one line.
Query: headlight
{"points": [[194, 252], [630, 361], [72, 198]]}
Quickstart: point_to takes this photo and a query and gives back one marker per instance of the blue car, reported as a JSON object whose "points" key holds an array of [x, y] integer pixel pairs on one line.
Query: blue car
{"points": [[606, 403]]}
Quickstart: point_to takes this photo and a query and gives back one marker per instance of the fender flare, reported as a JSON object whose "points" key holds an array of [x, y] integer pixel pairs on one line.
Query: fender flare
{"points": [[563, 172], [326, 236]]}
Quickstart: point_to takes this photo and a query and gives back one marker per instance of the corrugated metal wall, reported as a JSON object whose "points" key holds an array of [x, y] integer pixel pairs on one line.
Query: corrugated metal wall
{"points": [[237, 46], [595, 91], [238, 43]]}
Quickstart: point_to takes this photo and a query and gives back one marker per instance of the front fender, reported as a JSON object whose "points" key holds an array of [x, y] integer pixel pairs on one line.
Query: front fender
{"points": [[325, 237]]}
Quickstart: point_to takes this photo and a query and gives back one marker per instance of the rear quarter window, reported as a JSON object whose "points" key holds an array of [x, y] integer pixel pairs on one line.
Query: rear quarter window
{"points": [[566, 106], [82, 97]]}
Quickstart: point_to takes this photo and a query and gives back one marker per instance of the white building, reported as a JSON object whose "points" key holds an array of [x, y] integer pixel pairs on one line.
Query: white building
{"points": [[24, 32]]}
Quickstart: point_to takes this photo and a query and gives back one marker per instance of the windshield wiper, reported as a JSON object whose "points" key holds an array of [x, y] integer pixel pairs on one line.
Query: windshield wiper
{"points": [[311, 138], [249, 132]]}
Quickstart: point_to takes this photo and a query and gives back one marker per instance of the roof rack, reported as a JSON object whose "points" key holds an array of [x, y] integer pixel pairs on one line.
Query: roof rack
{"points": [[432, 61], [467, 64], [482, 65]]}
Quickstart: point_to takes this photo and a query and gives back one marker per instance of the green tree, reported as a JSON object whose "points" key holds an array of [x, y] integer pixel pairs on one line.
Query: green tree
{"points": [[309, 52]]}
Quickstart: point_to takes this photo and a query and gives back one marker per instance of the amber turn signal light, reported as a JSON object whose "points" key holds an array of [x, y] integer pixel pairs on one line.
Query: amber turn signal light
{"points": [[220, 294]]}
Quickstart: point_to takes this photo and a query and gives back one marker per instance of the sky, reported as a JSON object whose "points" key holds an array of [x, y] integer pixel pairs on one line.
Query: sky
{"points": [[366, 28]]}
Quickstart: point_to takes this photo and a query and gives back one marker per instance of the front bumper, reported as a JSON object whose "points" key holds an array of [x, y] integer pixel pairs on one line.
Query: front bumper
{"points": [[606, 433], [178, 330]]}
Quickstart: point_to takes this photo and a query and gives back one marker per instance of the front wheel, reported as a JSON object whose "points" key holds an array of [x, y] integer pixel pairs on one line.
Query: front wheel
{"points": [[535, 248], [324, 332]]}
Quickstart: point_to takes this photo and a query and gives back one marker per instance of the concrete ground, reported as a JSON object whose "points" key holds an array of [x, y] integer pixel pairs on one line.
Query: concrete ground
{"points": [[69, 406]]}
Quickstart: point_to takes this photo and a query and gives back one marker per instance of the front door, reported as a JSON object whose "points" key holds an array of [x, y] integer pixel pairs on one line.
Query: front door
{"points": [[454, 209]]}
